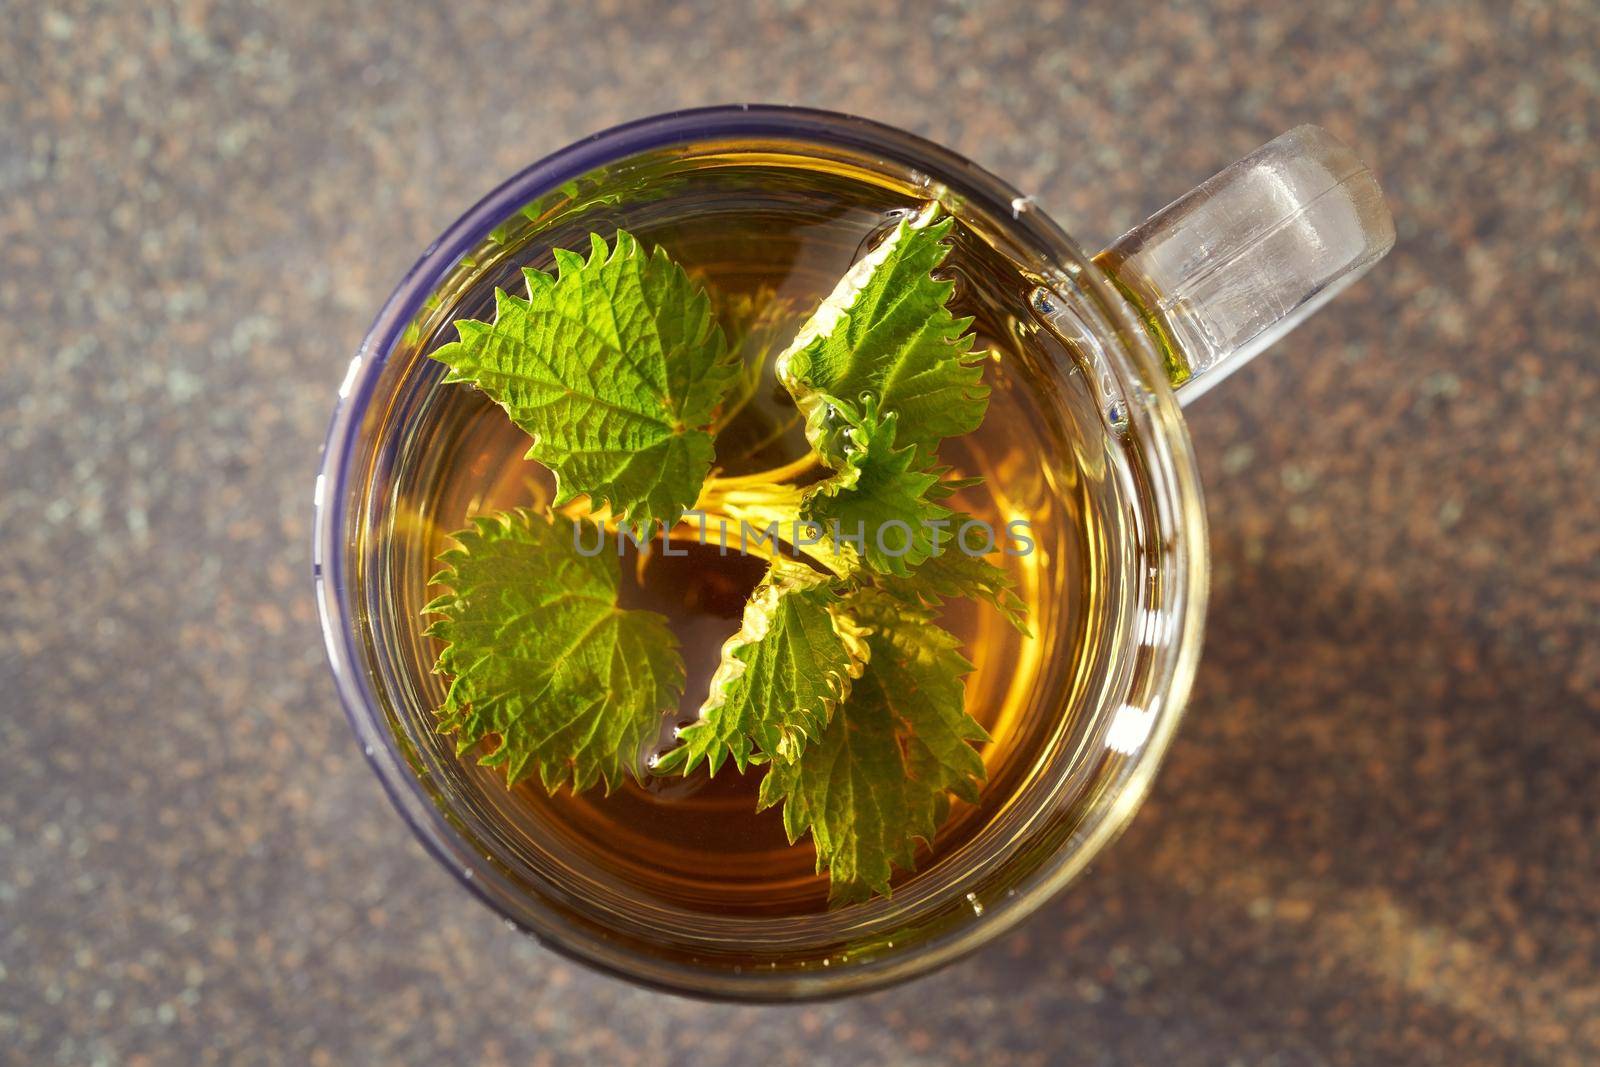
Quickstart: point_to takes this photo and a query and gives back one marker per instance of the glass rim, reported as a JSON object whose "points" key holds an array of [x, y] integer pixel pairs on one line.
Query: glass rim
{"points": [[1164, 446]]}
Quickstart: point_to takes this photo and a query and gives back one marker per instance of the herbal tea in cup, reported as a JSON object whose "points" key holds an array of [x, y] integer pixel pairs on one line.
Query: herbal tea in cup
{"points": [[763, 556]]}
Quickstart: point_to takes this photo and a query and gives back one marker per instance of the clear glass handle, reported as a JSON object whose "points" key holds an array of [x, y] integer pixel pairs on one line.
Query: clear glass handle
{"points": [[1228, 268]]}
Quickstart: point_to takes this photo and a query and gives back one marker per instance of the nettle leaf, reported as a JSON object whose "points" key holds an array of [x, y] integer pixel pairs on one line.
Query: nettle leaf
{"points": [[879, 778], [952, 573], [885, 332], [880, 494], [792, 661], [615, 367], [541, 657]]}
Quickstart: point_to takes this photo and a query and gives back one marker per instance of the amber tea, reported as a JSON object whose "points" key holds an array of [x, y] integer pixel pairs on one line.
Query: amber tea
{"points": [[768, 239]]}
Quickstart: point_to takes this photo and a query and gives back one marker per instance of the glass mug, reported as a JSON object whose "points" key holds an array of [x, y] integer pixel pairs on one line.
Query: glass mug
{"points": [[1127, 337]]}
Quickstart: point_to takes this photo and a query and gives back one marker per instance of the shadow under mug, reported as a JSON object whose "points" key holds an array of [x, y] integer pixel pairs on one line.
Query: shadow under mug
{"points": [[1166, 312]]}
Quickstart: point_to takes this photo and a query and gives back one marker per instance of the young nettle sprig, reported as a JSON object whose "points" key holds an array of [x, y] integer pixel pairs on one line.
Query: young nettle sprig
{"points": [[839, 681]]}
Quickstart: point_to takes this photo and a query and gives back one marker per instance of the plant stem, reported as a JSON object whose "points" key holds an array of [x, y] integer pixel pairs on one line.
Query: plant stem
{"points": [[773, 476], [763, 509]]}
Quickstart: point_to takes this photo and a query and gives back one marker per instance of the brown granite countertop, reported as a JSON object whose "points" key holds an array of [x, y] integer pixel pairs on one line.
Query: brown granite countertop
{"points": [[1377, 839]]}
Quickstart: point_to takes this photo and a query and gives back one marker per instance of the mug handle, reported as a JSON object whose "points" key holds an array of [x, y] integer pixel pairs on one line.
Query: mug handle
{"points": [[1231, 266]]}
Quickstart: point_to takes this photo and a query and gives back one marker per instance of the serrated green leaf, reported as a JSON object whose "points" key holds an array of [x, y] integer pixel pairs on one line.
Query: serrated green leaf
{"points": [[792, 661], [951, 573], [885, 332], [879, 778], [615, 368], [540, 655], [878, 495]]}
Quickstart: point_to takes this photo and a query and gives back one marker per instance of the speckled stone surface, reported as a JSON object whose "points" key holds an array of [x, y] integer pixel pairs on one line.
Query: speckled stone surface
{"points": [[1377, 839]]}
